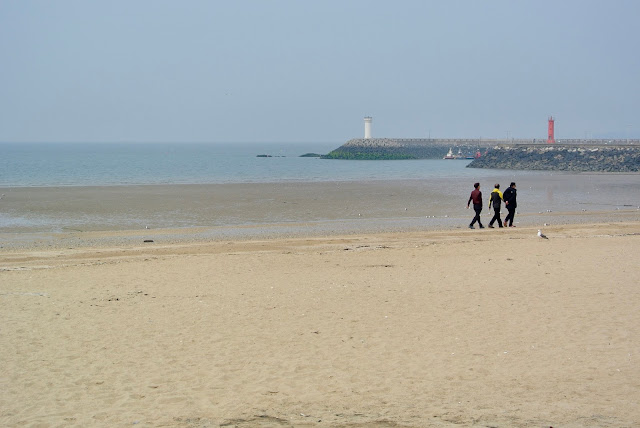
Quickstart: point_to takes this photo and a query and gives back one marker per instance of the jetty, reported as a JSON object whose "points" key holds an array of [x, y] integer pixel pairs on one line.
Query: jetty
{"points": [[576, 156], [580, 155], [602, 155]]}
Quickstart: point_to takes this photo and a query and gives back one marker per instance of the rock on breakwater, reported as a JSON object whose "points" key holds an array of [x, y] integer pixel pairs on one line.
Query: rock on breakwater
{"points": [[554, 157], [399, 148]]}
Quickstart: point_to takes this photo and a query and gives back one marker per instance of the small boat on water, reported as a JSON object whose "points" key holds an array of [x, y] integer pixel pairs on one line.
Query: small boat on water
{"points": [[449, 155]]}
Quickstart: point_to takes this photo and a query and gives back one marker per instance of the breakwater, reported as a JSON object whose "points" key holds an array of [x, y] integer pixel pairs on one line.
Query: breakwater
{"points": [[437, 148], [408, 148], [563, 157], [587, 155]]}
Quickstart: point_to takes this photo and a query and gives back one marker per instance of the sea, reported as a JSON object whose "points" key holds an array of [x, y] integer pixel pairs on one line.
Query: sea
{"points": [[118, 164]]}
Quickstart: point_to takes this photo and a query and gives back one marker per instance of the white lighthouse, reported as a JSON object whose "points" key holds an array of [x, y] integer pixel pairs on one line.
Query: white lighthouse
{"points": [[367, 127]]}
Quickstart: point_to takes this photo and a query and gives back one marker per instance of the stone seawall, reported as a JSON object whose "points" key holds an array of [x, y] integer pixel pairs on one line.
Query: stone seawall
{"points": [[398, 148], [522, 154], [561, 158]]}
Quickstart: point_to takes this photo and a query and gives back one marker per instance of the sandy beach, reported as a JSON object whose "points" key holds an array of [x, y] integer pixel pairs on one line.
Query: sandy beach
{"points": [[404, 329]]}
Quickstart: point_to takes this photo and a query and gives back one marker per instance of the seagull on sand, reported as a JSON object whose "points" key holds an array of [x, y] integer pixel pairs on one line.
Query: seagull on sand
{"points": [[541, 235]]}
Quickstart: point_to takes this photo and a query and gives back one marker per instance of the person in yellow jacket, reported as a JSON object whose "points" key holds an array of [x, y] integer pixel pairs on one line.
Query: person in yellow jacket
{"points": [[495, 200]]}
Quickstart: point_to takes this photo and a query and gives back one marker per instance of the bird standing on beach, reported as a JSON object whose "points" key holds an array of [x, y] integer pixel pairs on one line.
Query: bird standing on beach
{"points": [[541, 235]]}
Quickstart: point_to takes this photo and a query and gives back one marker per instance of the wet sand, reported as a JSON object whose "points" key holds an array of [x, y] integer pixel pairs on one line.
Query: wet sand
{"points": [[69, 215], [406, 329]]}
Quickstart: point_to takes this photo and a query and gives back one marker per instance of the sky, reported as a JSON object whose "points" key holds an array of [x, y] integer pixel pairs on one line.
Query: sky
{"points": [[302, 71]]}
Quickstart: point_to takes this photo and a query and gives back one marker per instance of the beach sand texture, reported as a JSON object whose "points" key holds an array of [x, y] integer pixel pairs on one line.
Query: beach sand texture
{"points": [[435, 328]]}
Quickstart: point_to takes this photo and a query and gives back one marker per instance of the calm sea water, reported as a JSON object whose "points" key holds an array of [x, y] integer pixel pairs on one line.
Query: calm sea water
{"points": [[106, 164]]}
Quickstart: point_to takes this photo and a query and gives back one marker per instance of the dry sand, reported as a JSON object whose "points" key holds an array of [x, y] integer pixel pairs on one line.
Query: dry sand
{"points": [[439, 328]]}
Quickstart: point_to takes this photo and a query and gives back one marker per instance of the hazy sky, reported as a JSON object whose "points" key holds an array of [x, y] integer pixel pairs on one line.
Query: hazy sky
{"points": [[303, 71]]}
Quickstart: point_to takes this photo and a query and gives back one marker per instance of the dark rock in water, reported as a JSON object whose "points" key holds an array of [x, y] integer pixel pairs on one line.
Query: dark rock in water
{"points": [[264, 156], [148, 240]]}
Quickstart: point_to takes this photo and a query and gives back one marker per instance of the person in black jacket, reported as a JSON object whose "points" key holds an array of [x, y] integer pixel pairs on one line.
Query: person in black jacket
{"points": [[510, 202]]}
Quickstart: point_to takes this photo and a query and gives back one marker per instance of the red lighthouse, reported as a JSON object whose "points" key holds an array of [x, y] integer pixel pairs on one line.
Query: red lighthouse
{"points": [[550, 138]]}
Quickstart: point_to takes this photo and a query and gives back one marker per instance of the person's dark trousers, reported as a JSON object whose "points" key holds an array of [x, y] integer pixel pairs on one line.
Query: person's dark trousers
{"points": [[508, 220], [496, 217], [478, 209]]}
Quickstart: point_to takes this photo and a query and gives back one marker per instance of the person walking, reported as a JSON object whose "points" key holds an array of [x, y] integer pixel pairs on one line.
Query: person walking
{"points": [[495, 200], [510, 202], [476, 198]]}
